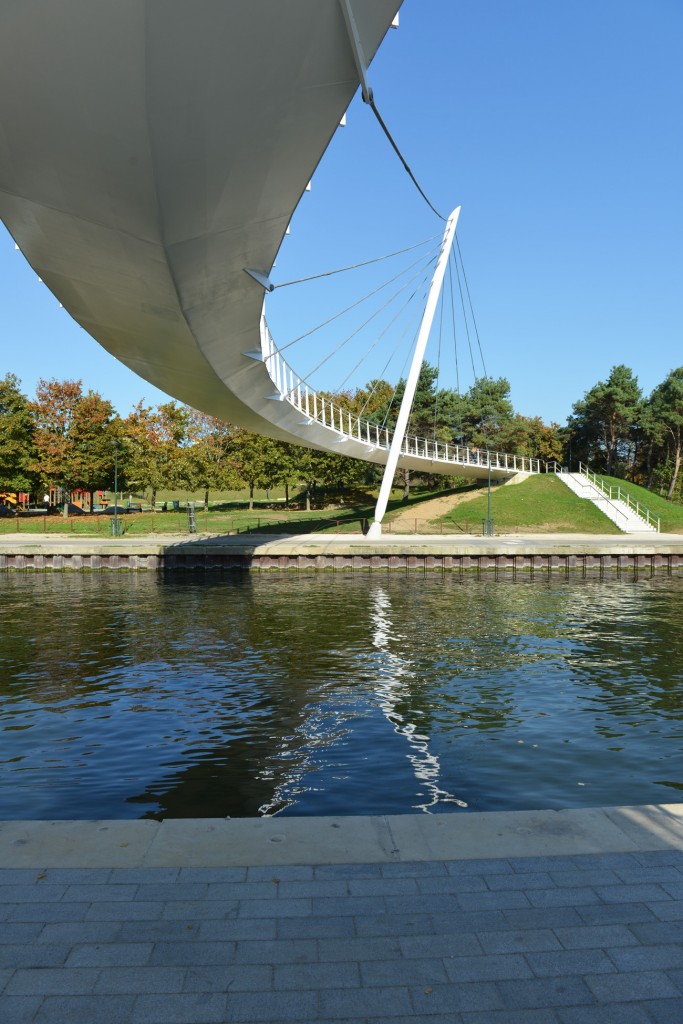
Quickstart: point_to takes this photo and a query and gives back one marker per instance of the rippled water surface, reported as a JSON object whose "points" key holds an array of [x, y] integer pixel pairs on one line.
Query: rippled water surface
{"points": [[129, 695]]}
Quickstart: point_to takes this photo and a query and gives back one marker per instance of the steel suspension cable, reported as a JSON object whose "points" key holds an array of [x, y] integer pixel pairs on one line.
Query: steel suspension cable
{"points": [[355, 266], [431, 257], [307, 378]]}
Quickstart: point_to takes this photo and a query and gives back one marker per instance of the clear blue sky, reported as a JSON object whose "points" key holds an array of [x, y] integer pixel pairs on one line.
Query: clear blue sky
{"points": [[558, 129]]}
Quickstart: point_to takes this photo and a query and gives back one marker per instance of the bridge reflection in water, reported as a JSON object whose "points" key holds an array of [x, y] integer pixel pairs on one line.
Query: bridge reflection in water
{"points": [[310, 694]]}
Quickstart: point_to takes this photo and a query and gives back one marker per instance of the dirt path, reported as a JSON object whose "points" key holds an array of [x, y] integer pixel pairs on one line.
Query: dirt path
{"points": [[410, 520]]}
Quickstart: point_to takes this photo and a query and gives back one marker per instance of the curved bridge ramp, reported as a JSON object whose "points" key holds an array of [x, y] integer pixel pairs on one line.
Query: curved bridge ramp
{"points": [[157, 149]]}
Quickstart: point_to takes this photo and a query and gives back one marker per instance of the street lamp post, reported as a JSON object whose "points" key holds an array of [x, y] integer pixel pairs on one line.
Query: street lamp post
{"points": [[116, 489]]}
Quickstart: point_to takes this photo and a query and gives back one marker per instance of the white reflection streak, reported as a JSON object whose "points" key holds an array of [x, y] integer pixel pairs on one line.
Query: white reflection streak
{"points": [[426, 765]]}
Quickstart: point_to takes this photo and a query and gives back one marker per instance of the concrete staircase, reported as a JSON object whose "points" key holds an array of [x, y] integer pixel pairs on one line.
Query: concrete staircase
{"points": [[629, 516]]}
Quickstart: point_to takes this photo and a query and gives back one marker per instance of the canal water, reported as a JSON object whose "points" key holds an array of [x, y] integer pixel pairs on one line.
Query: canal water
{"points": [[139, 695]]}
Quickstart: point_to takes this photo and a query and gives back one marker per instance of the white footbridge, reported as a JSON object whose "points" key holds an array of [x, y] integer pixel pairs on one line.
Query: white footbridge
{"points": [[152, 151]]}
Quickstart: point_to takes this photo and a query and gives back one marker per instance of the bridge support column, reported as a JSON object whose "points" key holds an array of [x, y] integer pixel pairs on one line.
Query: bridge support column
{"points": [[411, 383]]}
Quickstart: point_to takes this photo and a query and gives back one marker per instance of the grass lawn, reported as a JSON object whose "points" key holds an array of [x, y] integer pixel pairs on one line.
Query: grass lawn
{"points": [[541, 504]]}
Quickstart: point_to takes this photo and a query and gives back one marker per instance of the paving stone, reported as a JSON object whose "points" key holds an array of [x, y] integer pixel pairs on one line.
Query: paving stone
{"points": [[654, 858], [16, 933], [274, 952], [85, 1010], [229, 978], [47, 954], [147, 876], [663, 1011], [456, 998], [180, 1008], [127, 910], [622, 988], [215, 874], [236, 891], [283, 908], [617, 913], [469, 921], [31, 893], [110, 954], [331, 887], [615, 1013], [74, 933], [415, 869], [653, 932], [648, 958], [667, 911], [390, 886], [89, 893], [528, 880], [542, 917], [419, 904], [348, 870], [548, 992], [52, 981], [570, 961], [576, 879], [139, 980], [569, 897], [642, 875], [151, 892], [480, 867], [285, 873], [450, 885], [317, 927], [159, 931], [368, 1002], [233, 929], [507, 900], [394, 924], [426, 946], [178, 954], [508, 1017], [19, 1009], [633, 893], [487, 968], [75, 876], [404, 972], [597, 936], [604, 861], [270, 1006], [533, 940], [197, 910], [358, 949], [309, 977], [45, 912]]}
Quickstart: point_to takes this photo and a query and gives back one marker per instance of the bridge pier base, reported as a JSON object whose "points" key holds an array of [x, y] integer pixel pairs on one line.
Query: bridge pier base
{"points": [[374, 530]]}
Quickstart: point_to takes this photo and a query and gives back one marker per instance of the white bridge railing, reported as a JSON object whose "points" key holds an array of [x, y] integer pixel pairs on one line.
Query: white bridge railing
{"points": [[320, 409]]}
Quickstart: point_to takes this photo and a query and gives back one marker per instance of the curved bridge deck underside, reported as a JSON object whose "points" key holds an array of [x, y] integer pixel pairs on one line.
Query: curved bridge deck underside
{"points": [[157, 149]]}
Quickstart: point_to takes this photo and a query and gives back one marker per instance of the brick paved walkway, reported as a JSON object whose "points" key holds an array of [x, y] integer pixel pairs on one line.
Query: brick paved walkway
{"points": [[587, 939]]}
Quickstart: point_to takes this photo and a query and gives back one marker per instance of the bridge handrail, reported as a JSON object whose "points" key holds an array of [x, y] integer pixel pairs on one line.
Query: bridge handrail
{"points": [[323, 410], [615, 493]]}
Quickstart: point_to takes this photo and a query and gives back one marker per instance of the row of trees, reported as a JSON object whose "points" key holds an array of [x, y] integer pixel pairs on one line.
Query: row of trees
{"points": [[617, 429], [69, 437]]}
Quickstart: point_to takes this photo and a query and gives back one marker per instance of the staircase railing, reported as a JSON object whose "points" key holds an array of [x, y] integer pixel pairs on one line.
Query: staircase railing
{"points": [[321, 409], [615, 493]]}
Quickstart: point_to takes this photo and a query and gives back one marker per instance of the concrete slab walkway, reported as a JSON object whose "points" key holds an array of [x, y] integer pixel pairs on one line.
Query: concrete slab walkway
{"points": [[570, 917]]}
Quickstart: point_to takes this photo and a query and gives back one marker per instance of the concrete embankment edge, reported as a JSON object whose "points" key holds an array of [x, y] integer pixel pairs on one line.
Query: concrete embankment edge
{"points": [[341, 552], [222, 842]]}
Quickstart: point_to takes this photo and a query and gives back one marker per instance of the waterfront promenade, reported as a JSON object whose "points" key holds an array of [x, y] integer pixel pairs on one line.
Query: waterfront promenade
{"points": [[546, 917], [343, 551]]}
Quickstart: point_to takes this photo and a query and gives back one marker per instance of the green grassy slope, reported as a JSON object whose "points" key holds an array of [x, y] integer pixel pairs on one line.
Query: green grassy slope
{"points": [[541, 504], [671, 515]]}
